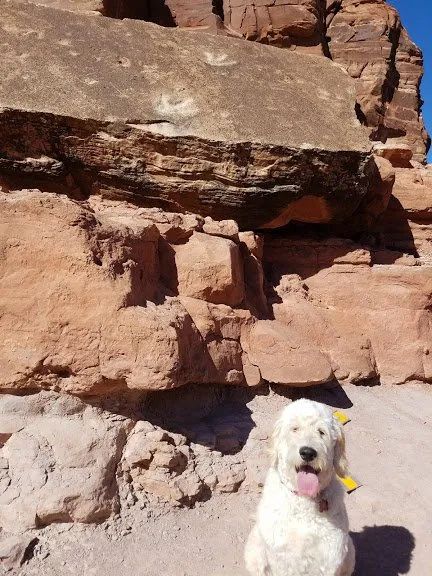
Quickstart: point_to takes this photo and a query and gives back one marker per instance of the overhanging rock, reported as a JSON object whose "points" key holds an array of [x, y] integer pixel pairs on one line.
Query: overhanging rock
{"points": [[171, 118]]}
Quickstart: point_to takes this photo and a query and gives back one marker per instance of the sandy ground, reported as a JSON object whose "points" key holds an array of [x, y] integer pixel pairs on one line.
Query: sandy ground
{"points": [[389, 446]]}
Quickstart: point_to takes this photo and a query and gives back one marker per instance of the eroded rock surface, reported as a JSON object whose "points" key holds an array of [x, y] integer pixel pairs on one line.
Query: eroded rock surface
{"points": [[73, 452], [139, 299], [89, 461], [199, 14], [15, 550], [369, 41], [406, 225], [293, 24], [365, 37], [166, 467], [94, 298], [360, 307]]}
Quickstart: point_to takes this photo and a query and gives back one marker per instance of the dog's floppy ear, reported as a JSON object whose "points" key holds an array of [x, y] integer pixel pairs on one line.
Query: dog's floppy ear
{"points": [[340, 460], [276, 437]]}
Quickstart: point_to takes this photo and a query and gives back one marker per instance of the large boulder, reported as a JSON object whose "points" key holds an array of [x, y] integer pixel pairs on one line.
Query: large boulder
{"points": [[366, 37], [284, 356], [210, 268], [74, 452], [277, 22], [128, 115]]}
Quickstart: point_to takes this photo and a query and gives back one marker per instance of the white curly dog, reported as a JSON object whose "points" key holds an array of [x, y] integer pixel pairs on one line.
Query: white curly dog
{"points": [[302, 525]]}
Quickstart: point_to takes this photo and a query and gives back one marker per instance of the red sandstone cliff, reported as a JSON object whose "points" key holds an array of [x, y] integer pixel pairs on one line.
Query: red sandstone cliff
{"points": [[182, 209]]}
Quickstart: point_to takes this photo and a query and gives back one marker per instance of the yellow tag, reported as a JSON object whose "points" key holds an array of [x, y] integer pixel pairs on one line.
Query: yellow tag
{"points": [[341, 416], [349, 483]]}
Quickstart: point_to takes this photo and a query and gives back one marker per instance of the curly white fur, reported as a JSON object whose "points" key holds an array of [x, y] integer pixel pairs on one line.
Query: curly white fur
{"points": [[292, 537]]}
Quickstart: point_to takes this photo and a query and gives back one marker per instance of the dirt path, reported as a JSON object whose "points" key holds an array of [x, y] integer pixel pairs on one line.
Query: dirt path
{"points": [[389, 445]]}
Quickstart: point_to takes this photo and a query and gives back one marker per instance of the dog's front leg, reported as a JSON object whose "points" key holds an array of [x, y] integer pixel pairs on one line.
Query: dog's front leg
{"points": [[255, 554], [349, 562]]}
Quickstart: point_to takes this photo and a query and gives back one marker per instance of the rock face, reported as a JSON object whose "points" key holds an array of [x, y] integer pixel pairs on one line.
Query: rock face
{"points": [[167, 467], [187, 220], [406, 224], [365, 37], [286, 24], [210, 268], [368, 39], [285, 355], [88, 462], [162, 303], [325, 288], [160, 138], [74, 454], [138, 325], [15, 550], [201, 14]]}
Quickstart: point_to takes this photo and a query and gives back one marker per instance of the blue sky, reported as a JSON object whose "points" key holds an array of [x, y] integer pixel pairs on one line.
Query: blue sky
{"points": [[416, 16]]}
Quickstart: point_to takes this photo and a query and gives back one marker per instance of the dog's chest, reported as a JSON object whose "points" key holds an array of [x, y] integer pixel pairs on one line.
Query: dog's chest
{"points": [[303, 541], [298, 526]]}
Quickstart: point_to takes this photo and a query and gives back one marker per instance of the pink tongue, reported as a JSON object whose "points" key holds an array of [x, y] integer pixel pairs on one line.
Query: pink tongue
{"points": [[307, 484]]}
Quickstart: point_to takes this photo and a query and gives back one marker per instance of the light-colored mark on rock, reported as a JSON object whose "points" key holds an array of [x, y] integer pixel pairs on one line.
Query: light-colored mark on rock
{"points": [[175, 106], [325, 94], [218, 59], [107, 137], [150, 69], [23, 31], [159, 127]]}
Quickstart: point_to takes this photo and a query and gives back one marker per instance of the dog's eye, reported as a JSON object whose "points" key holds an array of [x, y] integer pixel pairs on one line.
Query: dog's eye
{"points": [[295, 429], [321, 432]]}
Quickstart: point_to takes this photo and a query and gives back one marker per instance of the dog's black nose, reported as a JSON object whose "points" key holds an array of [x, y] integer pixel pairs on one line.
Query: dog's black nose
{"points": [[307, 453]]}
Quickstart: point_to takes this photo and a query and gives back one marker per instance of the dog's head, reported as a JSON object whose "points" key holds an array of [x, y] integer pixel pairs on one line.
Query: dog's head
{"points": [[308, 447]]}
